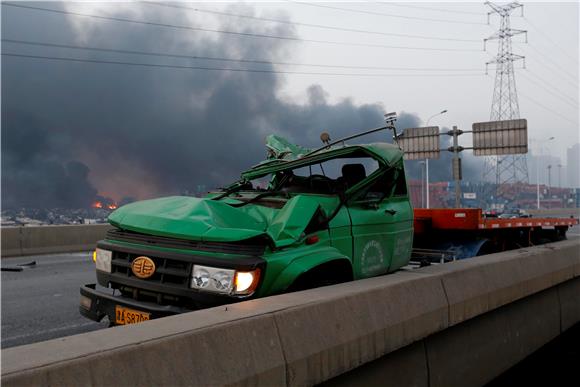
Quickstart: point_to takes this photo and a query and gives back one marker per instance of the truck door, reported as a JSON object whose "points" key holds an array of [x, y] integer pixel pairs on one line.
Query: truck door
{"points": [[382, 225]]}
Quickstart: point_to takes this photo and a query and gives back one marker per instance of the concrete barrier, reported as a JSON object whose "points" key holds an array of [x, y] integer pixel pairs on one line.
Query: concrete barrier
{"points": [[412, 321], [50, 239], [476, 286], [11, 241], [478, 350]]}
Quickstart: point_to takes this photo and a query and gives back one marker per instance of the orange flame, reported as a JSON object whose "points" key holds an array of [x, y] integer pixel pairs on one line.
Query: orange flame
{"points": [[97, 205], [112, 206]]}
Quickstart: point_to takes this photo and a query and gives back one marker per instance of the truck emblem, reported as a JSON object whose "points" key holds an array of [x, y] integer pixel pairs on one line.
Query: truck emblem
{"points": [[372, 258], [143, 267]]}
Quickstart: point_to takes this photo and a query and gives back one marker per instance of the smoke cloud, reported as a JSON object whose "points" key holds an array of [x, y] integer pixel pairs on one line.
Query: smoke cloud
{"points": [[72, 131]]}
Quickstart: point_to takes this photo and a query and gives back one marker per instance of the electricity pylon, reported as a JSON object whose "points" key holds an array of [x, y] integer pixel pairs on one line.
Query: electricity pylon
{"points": [[509, 170]]}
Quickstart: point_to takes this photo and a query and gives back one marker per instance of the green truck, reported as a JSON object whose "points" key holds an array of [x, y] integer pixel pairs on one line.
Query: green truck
{"points": [[300, 219]]}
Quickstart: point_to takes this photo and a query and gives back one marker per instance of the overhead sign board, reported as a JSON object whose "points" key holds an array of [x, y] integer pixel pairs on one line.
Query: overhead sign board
{"points": [[420, 143], [500, 137]]}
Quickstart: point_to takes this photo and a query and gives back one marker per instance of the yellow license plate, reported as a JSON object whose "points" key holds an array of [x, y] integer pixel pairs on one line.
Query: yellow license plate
{"points": [[125, 316]]}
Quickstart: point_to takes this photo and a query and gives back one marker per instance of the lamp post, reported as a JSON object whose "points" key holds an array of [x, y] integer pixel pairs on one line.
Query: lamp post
{"points": [[427, 160], [422, 163], [559, 175], [538, 172]]}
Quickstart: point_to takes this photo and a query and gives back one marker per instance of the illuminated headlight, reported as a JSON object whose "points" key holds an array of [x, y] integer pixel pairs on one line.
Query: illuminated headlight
{"points": [[103, 260], [218, 280], [246, 281]]}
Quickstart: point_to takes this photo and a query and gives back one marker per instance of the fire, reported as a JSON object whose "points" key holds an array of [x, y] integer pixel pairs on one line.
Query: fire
{"points": [[109, 206]]}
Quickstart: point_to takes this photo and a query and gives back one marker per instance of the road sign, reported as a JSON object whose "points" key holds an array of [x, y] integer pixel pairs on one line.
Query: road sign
{"points": [[469, 195], [500, 137], [420, 143]]}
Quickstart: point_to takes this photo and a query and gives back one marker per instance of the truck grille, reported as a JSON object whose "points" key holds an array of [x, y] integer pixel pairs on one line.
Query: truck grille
{"points": [[168, 271], [248, 248]]}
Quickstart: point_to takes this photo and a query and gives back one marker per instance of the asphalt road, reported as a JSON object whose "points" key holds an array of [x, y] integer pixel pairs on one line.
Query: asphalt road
{"points": [[41, 302]]}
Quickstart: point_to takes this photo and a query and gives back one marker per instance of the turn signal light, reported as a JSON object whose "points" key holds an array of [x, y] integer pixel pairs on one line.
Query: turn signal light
{"points": [[312, 240]]}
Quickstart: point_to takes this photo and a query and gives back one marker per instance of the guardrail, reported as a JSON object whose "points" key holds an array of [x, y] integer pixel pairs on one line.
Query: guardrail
{"points": [[460, 323], [50, 239]]}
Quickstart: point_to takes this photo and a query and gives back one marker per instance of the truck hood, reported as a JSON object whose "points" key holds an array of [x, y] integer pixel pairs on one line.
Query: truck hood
{"points": [[203, 219]]}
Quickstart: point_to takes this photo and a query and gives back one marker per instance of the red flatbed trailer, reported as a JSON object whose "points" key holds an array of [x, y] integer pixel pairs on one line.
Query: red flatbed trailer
{"points": [[471, 233], [473, 219]]}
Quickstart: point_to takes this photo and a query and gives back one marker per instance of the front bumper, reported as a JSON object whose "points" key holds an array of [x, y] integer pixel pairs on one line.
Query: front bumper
{"points": [[103, 304], [166, 293]]}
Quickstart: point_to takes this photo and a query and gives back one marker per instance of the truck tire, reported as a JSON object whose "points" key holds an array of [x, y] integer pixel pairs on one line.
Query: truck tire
{"points": [[330, 273]]}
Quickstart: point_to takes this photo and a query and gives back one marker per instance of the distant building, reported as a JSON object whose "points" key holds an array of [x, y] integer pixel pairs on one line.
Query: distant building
{"points": [[573, 166]]}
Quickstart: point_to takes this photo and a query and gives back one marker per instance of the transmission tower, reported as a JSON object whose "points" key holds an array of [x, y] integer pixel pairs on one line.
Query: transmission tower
{"points": [[511, 171]]}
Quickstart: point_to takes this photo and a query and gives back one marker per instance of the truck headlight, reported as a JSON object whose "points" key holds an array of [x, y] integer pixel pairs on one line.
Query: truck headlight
{"points": [[212, 279], [246, 281], [103, 260], [226, 281]]}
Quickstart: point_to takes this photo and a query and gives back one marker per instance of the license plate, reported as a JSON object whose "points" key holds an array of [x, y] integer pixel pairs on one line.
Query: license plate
{"points": [[125, 316]]}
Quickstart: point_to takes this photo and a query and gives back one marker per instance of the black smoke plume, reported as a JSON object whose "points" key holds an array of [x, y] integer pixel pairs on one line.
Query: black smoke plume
{"points": [[73, 131]]}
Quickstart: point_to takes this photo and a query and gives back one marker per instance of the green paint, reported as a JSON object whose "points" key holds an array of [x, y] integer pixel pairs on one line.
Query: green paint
{"points": [[368, 224]]}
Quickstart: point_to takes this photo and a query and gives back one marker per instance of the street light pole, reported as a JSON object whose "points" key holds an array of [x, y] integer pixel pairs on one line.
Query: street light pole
{"points": [[538, 172], [427, 160], [422, 184]]}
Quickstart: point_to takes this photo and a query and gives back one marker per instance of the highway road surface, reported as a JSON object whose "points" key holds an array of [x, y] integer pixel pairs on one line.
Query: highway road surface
{"points": [[41, 302]]}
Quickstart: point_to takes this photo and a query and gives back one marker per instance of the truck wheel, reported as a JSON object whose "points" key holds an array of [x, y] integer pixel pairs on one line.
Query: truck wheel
{"points": [[330, 273]]}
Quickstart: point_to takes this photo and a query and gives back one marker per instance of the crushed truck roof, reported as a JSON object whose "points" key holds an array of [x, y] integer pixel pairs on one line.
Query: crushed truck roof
{"points": [[284, 155]]}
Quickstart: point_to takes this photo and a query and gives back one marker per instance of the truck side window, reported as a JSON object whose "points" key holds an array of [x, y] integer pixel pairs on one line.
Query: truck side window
{"points": [[400, 183], [392, 184]]}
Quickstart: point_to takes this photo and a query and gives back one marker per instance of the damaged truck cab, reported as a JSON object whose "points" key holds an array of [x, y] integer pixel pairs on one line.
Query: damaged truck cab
{"points": [[300, 219]]}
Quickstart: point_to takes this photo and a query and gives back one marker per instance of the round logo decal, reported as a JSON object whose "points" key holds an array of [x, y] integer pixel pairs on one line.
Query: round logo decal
{"points": [[372, 258], [143, 267]]}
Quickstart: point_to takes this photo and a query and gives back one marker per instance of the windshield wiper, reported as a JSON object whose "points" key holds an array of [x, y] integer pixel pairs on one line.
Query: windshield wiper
{"points": [[234, 188], [260, 196]]}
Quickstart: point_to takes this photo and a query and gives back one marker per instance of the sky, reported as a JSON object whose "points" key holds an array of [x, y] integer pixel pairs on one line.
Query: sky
{"points": [[547, 87], [76, 128]]}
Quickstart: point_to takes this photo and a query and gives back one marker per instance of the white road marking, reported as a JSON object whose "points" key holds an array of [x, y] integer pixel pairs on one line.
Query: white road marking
{"points": [[59, 329]]}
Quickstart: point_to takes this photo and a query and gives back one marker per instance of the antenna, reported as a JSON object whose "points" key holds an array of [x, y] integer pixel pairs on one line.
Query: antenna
{"points": [[390, 119]]}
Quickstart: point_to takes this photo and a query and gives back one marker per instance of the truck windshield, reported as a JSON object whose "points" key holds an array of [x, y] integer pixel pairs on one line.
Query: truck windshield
{"points": [[331, 177]]}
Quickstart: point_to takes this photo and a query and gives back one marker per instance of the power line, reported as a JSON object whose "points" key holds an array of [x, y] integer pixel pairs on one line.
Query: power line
{"points": [[68, 59], [334, 28], [547, 108], [245, 34], [386, 14], [182, 56], [554, 71], [547, 37], [555, 64], [429, 8], [549, 88], [551, 85], [565, 99]]}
